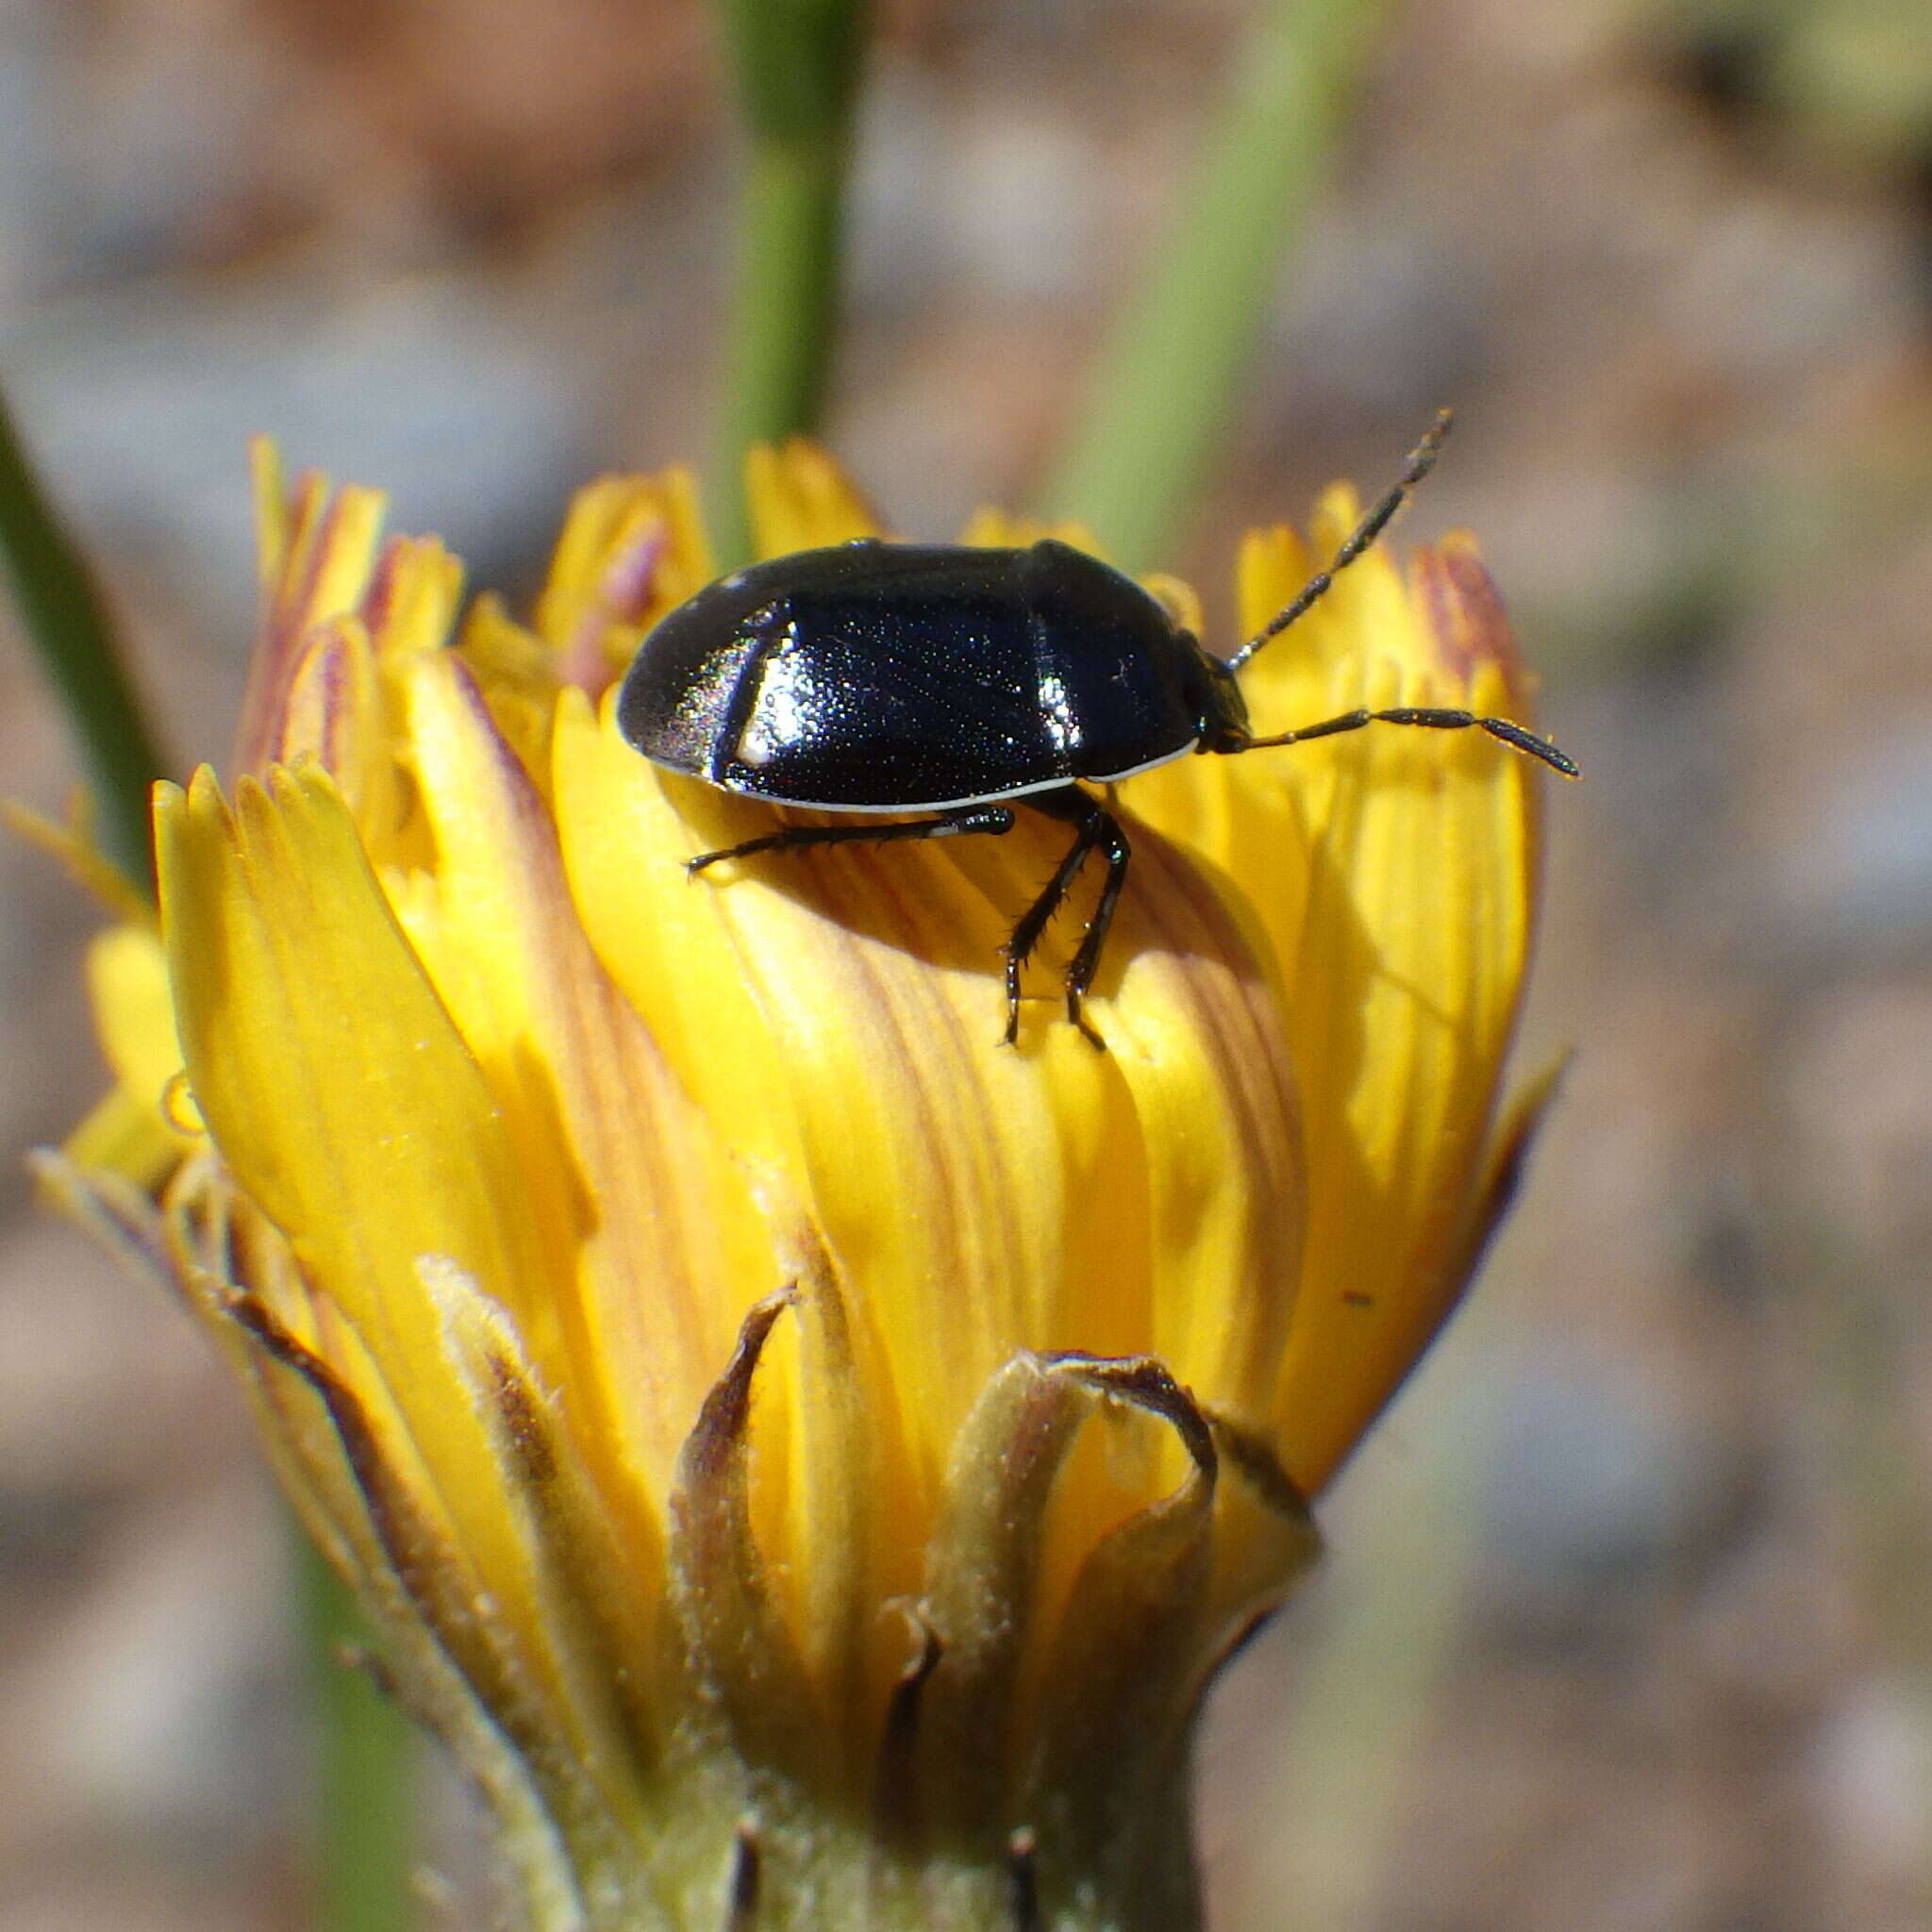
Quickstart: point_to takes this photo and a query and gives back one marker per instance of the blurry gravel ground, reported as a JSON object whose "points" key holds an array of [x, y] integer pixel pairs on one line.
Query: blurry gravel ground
{"points": [[1626, 1624]]}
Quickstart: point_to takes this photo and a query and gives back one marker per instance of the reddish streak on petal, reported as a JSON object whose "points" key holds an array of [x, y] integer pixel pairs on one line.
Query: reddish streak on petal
{"points": [[1466, 614], [623, 596], [382, 584], [314, 716], [286, 604]]}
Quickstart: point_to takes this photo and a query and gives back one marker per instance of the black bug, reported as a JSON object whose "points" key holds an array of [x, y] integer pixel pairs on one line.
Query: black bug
{"points": [[876, 678]]}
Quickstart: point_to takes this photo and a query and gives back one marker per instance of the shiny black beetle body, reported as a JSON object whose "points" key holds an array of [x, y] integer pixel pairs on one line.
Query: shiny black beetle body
{"points": [[922, 677], [880, 677]]}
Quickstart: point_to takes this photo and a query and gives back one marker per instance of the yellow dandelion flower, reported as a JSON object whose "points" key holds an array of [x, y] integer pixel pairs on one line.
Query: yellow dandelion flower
{"points": [[792, 1446]]}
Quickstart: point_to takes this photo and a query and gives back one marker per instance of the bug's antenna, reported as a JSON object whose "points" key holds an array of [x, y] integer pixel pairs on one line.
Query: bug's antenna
{"points": [[1435, 718], [1421, 460]]}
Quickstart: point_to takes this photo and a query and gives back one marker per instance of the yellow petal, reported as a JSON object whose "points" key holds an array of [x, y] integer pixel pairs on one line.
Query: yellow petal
{"points": [[1404, 991], [122, 1135], [276, 511], [752, 976], [1390, 872], [71, 842], [134, 1012], [751, 979], [584, 1092], [1197, 1035], [1367, 615], [410, 604], [801, 500], [131, 1132], [632, 548], [996, 530], [328, 1072], [317, 552], [335, 710], [518, 674]]}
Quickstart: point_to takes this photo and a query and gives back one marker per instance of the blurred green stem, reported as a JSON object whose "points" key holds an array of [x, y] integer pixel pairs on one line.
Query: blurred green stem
{"points": [[67, 623], [1370, 1686], [797, 66], [363, 1765], [1166, 380]]}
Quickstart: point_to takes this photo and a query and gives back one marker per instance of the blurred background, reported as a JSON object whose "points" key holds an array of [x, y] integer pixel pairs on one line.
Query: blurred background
{"points": [[1626, 1624]]}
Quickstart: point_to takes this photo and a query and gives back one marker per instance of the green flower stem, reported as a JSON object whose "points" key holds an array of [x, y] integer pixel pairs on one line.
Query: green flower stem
{"points": [[782, 331], [797, 67], [67, 623], [1167, 379], [363, 1767]]}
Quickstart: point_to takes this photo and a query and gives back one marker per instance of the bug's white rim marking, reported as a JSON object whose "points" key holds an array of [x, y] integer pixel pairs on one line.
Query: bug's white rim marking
{"points": [[1167, 757]]}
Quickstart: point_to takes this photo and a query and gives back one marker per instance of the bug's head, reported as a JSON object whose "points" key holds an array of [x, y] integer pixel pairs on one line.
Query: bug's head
{"points": [[1218, 703]]}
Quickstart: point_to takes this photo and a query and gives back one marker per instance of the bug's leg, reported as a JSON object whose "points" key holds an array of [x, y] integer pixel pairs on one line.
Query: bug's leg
{"points": [[1092, 821], [1098, 830], [1113, 842], [1434, 719], [966, 818]]}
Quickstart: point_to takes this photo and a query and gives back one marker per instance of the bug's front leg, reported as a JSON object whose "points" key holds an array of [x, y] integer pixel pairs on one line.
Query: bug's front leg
{"points": [[994, 819]]}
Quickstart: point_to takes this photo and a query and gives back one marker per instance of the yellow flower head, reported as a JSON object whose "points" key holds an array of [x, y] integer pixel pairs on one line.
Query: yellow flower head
{"points": [[788, 1439]]}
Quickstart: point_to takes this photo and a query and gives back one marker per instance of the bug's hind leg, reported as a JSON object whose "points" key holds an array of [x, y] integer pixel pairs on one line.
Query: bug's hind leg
{"points": [[944, 824], [1096, 827], [1113, 842]]}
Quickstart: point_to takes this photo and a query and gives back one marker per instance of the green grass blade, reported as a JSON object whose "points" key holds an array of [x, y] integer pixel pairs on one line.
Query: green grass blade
{"points": [[1167, 379], [797, 66], [66, 622], [363, 1767]]}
